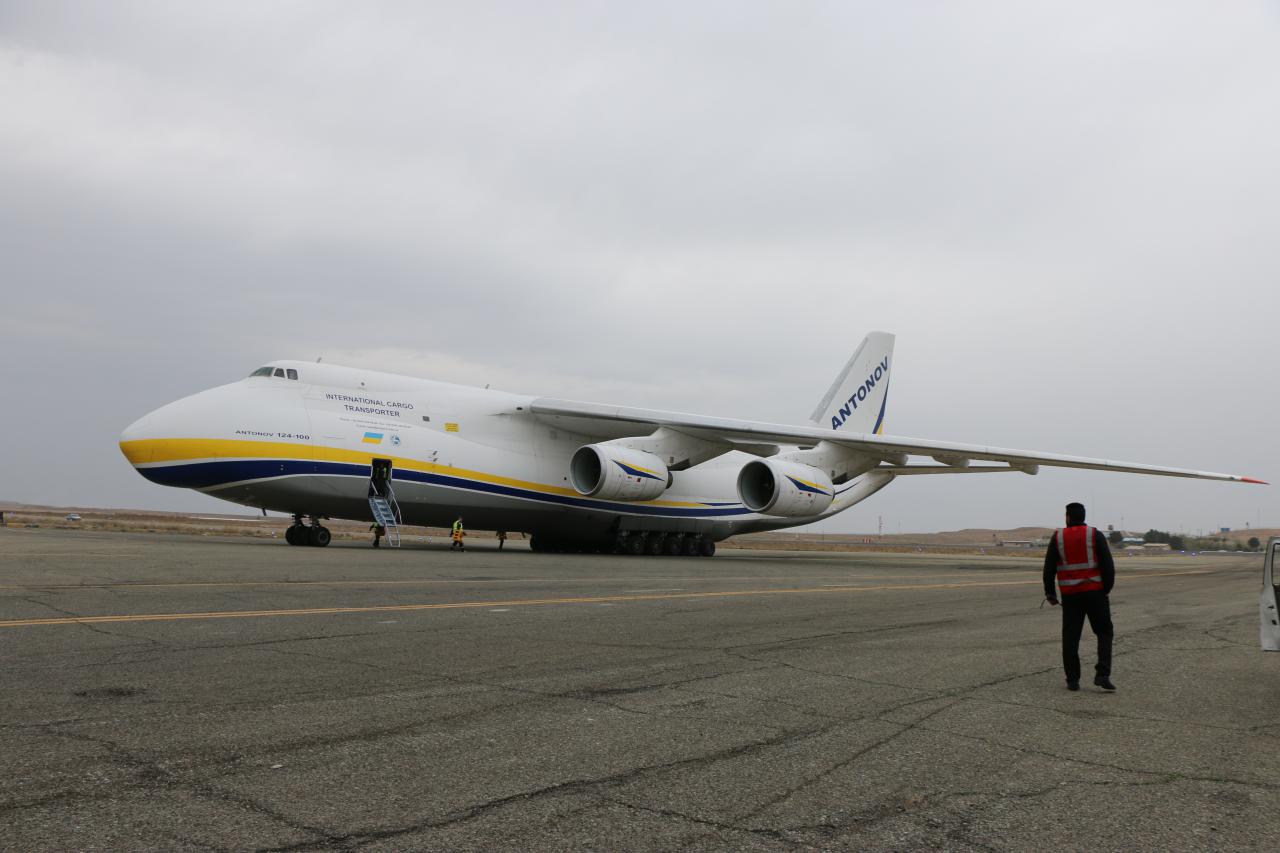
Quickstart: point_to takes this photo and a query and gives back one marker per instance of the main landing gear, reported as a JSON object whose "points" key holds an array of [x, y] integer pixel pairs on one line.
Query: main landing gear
{"points": [[636, 542], [308, 534]]}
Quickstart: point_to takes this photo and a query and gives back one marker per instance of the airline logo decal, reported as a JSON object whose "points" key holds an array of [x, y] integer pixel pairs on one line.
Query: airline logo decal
{"points": [[372, 438], [851, 405], [806, 486], [633, 471]]}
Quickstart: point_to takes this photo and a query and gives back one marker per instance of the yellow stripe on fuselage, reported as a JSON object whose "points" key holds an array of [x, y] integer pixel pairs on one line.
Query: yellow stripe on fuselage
{"points": [[184, 450]]}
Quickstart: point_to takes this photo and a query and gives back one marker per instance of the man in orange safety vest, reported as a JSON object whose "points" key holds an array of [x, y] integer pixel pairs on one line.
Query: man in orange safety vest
{"points": [[1080, 561]]}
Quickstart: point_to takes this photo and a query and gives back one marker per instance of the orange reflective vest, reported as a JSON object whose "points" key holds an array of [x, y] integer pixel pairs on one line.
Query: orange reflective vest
{"points": [[1077, 563]]}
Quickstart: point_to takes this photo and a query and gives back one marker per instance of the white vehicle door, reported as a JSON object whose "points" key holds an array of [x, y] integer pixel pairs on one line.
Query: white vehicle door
{"points": [[1270, 616]]}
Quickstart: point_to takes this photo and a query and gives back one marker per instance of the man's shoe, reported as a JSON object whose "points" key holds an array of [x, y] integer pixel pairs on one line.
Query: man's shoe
{"points": [[1104, 682], [1073, 685]]}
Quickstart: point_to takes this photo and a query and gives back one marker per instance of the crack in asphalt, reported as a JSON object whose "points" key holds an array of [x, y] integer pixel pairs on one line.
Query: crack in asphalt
{"points": [[150, 774], [471, 682], [771, 834], [1224, 780], [357, 839], [903, 728], [94, 628]]}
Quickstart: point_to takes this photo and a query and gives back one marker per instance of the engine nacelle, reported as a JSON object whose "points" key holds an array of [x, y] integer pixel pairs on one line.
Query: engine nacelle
{"points": [[614, 473], [778, 487]]}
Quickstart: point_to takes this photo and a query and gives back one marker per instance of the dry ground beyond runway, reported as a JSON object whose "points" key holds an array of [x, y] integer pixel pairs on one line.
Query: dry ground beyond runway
{"points": [[199, 693]]}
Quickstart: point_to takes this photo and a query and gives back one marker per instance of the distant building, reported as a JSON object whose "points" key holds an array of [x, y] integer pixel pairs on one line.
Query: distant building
{"points": [[1157, 546], [1224, 529]]}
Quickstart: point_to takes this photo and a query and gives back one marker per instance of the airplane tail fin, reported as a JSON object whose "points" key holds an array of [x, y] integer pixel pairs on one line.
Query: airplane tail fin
{"points": [[860, 394]]}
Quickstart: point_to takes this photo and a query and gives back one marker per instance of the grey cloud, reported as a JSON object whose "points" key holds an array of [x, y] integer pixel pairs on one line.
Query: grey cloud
{"points": [[701, 208]]}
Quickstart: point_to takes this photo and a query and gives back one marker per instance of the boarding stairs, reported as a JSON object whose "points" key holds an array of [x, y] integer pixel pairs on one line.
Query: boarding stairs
{"points": [[387, 513]]}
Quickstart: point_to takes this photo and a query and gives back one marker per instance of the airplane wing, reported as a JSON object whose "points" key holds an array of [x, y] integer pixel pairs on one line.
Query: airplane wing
{"points": [[603, 421]]}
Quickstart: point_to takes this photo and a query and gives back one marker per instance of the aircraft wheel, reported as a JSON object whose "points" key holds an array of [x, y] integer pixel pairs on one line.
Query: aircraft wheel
{"points": [[291, 535], [672, 544], [320, 536], [635, 545], [653, 545], [690, 545], [536, 544], [707, 548]]}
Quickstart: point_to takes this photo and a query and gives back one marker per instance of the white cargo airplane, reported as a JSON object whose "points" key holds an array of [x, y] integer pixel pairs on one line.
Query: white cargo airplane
{"points": [[323, 441]]}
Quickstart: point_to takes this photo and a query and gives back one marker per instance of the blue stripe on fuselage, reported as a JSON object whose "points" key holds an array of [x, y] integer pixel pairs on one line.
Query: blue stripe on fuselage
{"points": [[206, 475]]}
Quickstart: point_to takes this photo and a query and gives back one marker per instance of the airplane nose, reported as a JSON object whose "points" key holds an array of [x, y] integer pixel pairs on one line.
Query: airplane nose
{"points": [[156, 444], [141, 439], [139, 431]]}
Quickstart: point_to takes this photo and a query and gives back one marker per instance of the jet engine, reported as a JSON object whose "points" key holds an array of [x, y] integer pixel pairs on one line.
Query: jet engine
{"points": [[614, 473], [779, 487]]}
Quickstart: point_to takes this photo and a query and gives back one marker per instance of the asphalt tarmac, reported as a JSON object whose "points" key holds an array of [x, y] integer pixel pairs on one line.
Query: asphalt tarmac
{"points": [[203, 693]]}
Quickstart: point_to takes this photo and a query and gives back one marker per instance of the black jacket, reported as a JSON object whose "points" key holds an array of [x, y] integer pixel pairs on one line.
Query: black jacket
{"points": [[1100, 551]]}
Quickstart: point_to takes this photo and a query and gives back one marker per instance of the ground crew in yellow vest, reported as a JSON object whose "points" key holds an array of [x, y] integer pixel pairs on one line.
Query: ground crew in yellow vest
{"points": [[458, 533], [1080, 561]]}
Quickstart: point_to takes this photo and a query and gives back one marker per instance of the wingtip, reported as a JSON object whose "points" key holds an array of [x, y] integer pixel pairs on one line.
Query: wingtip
{"points": [[1252, 480]]}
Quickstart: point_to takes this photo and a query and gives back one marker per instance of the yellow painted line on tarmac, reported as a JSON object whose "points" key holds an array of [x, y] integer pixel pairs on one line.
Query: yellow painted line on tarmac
{"points": [[525, 602]]}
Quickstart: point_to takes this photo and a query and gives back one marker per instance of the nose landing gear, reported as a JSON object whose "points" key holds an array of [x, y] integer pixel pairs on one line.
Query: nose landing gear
{"points": [[314, 534]]}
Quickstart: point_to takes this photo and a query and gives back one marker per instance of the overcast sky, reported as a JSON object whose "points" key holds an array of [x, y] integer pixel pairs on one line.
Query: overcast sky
{"points": [[1068, 214]]}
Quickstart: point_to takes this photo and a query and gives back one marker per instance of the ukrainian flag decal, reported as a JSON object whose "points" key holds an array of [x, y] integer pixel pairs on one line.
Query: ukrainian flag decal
{"points": [[372, 438]]}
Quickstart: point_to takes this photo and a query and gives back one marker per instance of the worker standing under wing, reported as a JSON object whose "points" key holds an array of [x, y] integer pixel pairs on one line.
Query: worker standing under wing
{"points": [[1080, 561], [457, 534]]}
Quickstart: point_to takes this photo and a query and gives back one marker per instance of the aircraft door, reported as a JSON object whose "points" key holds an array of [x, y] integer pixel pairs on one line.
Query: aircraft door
{"points": [[1270, 616], [380, 478]]}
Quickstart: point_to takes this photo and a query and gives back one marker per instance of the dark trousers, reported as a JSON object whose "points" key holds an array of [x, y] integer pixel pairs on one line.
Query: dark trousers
{"points": [[1075, 608]]}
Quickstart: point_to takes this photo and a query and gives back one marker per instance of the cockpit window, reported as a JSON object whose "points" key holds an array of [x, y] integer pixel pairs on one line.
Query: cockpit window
{"points": [[279, 372]]}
